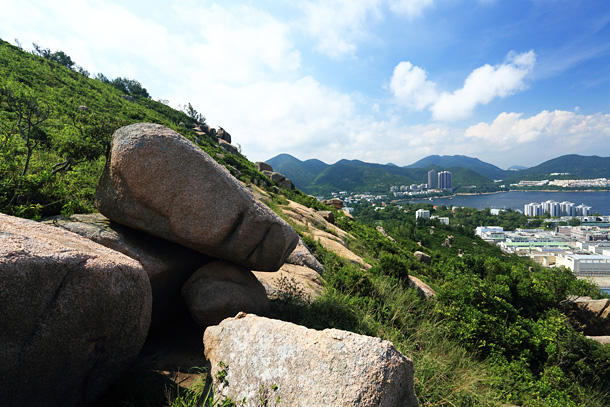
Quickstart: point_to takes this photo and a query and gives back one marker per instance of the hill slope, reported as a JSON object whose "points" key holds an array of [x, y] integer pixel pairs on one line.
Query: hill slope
{"points": [[446, 161], [302, 173], [54, 161], [315, 177], [576, 165]]}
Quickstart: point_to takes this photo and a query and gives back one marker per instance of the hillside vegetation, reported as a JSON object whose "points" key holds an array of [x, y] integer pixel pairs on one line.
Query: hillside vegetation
{"points": [[497, 331]]}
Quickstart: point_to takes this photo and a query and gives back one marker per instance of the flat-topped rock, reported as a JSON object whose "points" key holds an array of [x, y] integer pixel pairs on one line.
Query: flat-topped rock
{"points": [[75, 314], [306, 367], [157, 181]]}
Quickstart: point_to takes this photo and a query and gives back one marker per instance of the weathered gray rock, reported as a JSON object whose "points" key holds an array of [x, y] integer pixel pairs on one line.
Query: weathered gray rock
{"points": [[157, 181], [286, 184], [302, 256], [335, 202], [222, 134], [74, 315], [422, 257], [291, 283], [604, 340], [277, 177], [305, 367], [423, 290], [228, 147], [168, 265], [262, 166], [592, 315], [220, 290], [327, 215]]}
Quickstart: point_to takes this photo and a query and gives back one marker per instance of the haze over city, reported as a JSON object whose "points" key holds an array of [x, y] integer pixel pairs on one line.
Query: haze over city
{"points": [[509, 82]]}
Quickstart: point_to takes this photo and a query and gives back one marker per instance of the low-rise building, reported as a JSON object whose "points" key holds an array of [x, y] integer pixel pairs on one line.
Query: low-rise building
{"points": [[584, 265]]}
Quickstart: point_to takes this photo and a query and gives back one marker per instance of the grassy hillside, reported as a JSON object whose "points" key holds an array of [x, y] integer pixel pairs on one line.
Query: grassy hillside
{"points": [[55, 127]]}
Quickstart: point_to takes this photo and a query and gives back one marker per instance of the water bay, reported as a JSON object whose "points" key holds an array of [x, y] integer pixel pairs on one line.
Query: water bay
{"points": [[598, 201]]}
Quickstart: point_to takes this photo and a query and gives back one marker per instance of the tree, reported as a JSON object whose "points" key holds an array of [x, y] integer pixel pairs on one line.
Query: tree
{"points": [[130, 87], [58, 56], [193, 114], [25, 117]]}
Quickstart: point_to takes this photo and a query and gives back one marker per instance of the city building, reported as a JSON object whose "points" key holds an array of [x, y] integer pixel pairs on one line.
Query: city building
{"points": [[584, 265], [533, 209], [422, 213], [444, 180], [431, 179]]}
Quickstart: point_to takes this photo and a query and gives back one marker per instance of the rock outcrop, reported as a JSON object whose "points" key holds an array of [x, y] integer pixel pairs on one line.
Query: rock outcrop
{"points": [[220, 290], [262, 166], [423, 290], [157, 181], [302, 256], [74, 315], [291, 281], [304, 367], [168, 265], [422, 257], [592, 315]]}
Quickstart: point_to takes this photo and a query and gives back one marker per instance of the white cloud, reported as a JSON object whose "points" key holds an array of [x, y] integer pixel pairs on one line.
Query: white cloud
{"points": [[485, 84], [411, 88], [549, 129], [338, 24], [409, 8]]}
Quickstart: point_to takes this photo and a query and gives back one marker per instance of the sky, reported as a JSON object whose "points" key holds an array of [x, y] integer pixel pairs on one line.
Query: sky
{"points": [[511, 82]]}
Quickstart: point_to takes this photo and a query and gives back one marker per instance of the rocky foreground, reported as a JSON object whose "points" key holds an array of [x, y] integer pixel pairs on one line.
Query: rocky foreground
{"points": [[177, 234]]}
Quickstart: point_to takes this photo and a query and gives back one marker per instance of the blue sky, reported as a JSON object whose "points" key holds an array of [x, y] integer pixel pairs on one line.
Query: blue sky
{"points": [[511, 82]]}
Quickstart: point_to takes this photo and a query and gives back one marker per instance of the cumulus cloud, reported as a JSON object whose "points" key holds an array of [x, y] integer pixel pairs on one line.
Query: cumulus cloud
{"points": [[411, 88], [547, 130], [485, 84], [337, 25]]}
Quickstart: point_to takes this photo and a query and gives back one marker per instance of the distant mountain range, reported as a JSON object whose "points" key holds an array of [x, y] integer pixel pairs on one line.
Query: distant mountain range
{"points": [[318, 178]]}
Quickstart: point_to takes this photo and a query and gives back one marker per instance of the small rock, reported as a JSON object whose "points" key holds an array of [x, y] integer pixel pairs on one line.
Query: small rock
{"points": [[220, 290]]}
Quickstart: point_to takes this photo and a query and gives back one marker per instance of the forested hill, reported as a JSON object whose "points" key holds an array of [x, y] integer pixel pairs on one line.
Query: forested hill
{"points": [[446, 161], [574, 165], [315, 177], [55, 127]]}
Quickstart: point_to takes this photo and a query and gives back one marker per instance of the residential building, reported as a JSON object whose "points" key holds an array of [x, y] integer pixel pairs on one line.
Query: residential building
{"points": [[445, 180], [422, 213], [431, 179]]}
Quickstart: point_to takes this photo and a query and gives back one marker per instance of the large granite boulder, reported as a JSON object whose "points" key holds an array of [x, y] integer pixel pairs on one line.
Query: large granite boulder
{"points": [[168, 265], [262, 166], [593, 316], [305, 367], [157, 181], [220, 290], [75, 314]]}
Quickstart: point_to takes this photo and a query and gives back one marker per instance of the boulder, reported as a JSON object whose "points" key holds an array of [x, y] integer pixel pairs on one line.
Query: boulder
{"points": [[159, 182], [335, 202], [261, 166], [591, 315], [271, 359], [291, 281], [327, 215], [168, 265], [302, 256], [277, 177], [228, 147], [220, 290], [286, 184], [422, 257], [423, 290], [222, 134], [267, 173], [75, 314]]}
